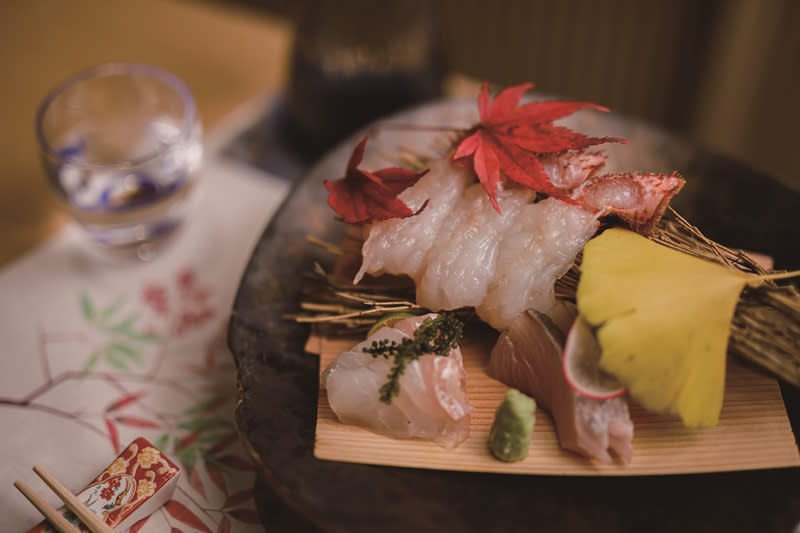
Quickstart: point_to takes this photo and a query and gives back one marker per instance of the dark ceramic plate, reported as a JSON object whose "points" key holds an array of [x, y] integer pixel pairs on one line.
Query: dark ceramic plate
{"points": [[278, 381]]}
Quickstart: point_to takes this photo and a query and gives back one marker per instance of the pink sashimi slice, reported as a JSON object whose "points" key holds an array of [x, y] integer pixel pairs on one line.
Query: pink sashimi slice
{"points": [[527, 356]]}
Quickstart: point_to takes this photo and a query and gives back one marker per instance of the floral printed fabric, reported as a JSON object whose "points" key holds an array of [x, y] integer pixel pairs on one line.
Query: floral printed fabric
{"points": [[97, 353]]}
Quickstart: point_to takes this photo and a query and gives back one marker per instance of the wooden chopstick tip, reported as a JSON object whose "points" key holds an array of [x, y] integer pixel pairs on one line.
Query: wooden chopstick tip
{"points": [[50, 513], [93, 522]]}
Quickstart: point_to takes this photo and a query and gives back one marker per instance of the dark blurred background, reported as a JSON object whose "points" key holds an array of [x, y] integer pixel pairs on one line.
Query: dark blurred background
{"points": [[722, 73]]}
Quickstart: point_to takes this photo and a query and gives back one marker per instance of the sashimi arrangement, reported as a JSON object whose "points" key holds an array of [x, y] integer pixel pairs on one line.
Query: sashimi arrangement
{"points": [[579, 272]]}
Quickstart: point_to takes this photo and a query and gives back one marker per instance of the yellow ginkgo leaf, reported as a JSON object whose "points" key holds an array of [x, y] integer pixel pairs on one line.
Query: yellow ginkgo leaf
{"points": [[664, 319]]}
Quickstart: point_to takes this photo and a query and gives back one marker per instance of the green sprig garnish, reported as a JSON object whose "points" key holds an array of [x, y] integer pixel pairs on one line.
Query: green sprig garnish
{"points": [[437, 335]]}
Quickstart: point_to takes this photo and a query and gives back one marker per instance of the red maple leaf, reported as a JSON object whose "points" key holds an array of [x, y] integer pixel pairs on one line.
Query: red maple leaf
{"points": [[510, 139], [362, 196]]}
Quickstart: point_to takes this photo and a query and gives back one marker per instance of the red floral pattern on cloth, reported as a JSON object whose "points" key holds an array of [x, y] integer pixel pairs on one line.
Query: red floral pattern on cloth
{"points": [[188, 301]]}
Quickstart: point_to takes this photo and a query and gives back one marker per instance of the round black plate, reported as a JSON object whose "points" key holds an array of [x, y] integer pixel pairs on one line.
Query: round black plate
{"points": [[278, 382]]}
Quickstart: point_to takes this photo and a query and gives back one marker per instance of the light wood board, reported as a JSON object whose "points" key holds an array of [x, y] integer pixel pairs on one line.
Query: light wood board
{"points": [[753, 432]]}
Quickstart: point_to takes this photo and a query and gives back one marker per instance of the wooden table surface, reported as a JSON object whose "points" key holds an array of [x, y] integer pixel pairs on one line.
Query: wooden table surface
{"points": [[225, 55]]}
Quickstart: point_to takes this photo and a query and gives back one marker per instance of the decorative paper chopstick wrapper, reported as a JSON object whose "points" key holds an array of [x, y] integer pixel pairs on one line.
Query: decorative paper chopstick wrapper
{"points": [[139, 481]]}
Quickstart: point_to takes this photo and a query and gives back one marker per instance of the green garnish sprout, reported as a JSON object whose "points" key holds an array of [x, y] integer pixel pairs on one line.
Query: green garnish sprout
{"points": [[437, 335]]}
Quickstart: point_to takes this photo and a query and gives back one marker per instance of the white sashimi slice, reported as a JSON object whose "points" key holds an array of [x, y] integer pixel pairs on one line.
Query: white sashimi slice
{"points": [[432, 402], [536, 250], [461, 263], [400, 245]]}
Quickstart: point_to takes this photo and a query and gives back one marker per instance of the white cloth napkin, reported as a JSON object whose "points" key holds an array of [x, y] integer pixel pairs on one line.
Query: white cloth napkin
{"points": [[96, 353]]}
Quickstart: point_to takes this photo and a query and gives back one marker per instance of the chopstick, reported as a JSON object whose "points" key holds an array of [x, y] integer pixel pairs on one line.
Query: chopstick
{"points": [[55, 518], [89, 519]]}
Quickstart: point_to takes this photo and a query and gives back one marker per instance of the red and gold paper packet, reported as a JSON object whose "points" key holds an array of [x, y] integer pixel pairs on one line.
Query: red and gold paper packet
{"points": [[139, 481]]}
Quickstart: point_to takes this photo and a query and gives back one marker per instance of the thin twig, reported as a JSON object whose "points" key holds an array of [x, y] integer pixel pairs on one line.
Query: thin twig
{"points": [[325, 245]]}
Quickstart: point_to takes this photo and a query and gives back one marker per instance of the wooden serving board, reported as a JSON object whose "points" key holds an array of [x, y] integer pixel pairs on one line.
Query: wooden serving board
{"points": [[753, 432]]}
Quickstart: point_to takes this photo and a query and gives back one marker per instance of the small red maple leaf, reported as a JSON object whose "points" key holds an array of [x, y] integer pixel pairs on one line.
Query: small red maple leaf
{"points": [[362, 196], [511, 139]]}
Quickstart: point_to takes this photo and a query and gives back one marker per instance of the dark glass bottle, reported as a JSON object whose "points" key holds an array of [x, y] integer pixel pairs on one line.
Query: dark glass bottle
{"points": [[355, 61]]}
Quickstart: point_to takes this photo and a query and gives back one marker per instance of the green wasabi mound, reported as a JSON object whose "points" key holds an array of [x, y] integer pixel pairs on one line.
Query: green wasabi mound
{"points": [[510, 436]]}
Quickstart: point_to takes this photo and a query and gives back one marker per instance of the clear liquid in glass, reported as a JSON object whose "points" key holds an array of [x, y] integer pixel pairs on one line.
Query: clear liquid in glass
{"points": [[129, 204]]}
